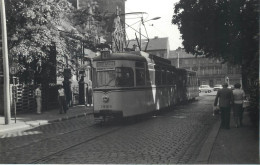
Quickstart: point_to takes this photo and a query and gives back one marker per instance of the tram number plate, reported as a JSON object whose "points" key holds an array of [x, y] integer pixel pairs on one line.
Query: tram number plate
{"points": [[106, 106]]}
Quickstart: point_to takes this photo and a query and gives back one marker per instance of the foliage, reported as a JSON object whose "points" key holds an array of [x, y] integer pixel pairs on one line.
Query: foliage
{"points": [[218, 28], [224, 29], [36, 26], [93, 25], [32, 27]]}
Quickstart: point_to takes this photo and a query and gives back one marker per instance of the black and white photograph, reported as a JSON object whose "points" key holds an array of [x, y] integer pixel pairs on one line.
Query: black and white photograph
{"points": [[129, 82]]}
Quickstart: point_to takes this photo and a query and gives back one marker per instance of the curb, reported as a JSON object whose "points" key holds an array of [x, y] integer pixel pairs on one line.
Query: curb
{"points": [[68, 117], [33, 124], [208, 145], [2, 131]]}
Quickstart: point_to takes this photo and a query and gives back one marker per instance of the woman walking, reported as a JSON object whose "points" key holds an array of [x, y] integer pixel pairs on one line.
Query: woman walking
{"points": [[239, 96]]}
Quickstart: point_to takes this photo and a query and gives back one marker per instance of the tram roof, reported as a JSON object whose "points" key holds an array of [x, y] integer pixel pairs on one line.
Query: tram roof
{"points": [[185, 71], [121, 56], [135, 56]]}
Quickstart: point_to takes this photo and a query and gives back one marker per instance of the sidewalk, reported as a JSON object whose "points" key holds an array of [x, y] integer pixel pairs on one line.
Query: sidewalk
{"points": [[233, 146], [24, 121]]}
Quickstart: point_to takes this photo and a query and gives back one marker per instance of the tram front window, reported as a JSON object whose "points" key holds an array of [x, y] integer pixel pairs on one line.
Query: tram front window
{"points": [[124, 77], [120, 77], [106, 78]]}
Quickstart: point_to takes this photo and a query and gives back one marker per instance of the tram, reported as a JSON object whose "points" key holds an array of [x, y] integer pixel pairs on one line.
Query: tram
{"points": [[134, 83]]}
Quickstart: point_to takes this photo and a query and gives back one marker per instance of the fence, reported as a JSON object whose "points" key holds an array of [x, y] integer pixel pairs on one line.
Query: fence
{"points": [[25, 99]]}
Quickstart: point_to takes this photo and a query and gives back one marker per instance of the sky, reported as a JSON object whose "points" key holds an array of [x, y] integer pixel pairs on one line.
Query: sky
{"points": [[161, 27]]}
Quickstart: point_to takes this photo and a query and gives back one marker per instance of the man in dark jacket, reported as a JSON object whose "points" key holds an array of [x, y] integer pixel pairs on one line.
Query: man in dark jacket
{"points": [[225, 99]]}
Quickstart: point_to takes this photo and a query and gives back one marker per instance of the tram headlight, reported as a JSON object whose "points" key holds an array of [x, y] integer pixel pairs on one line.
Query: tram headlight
{"points": [[105, 99]]}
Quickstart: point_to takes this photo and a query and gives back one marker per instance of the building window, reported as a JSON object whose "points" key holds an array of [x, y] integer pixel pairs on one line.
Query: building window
{"points": [[162, 55], [218, 81], [195, 68], [238, 70], [218, 70], [230, 70]]}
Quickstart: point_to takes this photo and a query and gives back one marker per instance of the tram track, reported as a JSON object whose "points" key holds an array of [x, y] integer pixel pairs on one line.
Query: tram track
{"points": [[92, 125], [50, 137], [49, 157], [118, 126], [90, 132], [92, 142]]}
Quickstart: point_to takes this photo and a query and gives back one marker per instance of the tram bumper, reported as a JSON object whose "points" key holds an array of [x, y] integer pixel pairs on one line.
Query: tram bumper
{"points": [[108, 113]]}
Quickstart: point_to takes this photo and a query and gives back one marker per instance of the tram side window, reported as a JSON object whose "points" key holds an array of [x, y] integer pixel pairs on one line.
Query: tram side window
{"points": [[163, 77], [158, 77], [169, 78], [174, 79], [140, 77], [152, 76], [148, 78], [188, 80], [124, 77]]}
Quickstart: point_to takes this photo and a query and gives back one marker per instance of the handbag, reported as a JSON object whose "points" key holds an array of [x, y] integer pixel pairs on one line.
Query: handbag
{"points": [[215, 110], [246, 103]]}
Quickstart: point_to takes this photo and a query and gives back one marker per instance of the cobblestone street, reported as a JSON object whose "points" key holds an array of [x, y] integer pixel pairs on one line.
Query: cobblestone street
{"points": [[171, 137]]}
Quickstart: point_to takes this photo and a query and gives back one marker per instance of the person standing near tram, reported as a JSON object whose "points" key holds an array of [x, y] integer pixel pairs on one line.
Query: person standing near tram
{"points": [[62, 100], [38, 96]]}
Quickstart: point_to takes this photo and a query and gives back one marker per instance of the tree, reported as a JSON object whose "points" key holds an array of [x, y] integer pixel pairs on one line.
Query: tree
{"points": [[32, 26], [225, 29], [33, 33], [92, 25], [38, 29]]}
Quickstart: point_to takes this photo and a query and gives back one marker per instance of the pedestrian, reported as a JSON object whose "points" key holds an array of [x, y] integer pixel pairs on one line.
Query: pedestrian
{"points": [[225, 99], [90, 92], [38, 96], [62, 100], [239, 96], [86, 89], [67, 90]]}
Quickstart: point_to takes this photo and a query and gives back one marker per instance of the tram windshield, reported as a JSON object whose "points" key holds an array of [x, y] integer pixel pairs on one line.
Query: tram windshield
{"points": [[120, 77]]}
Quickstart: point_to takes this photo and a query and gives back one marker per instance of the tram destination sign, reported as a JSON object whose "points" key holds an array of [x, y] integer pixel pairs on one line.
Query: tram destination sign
{"points": [[106, 64]]}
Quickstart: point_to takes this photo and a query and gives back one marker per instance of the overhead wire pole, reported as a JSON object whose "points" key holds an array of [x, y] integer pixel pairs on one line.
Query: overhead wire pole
{"points": [[146, 35], [145, 29], [142, 21], [140, 28], [7, 111]]}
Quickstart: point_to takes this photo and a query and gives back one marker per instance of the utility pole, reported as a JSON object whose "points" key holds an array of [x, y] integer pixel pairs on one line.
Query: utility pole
{"points": [[140, 34], [7, 110]]}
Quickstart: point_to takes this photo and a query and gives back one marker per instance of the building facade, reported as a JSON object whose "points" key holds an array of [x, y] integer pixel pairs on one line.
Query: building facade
{"points": [[156, 46], [110, 30], [113, 11], [210, 71]]}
